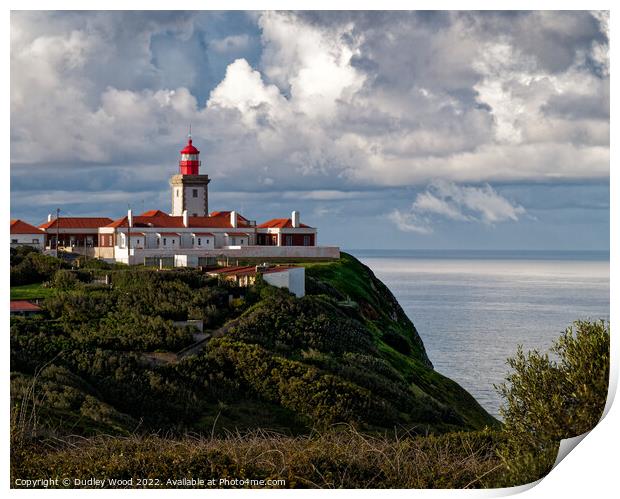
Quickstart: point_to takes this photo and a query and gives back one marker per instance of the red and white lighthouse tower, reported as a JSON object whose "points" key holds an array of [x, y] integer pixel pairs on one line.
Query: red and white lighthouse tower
{"points": [[190, 191]]}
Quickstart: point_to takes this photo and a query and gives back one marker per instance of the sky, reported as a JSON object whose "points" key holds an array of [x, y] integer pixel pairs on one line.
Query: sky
{"points": [[407, 130]]}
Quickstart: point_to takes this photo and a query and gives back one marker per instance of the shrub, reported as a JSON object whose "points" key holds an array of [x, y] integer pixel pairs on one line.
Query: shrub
{"points": [[64, 279], [547, 400]]}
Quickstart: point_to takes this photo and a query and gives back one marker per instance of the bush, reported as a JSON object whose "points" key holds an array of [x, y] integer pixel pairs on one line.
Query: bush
{"points": [[547, 400], [64, 279], [33, 267]]}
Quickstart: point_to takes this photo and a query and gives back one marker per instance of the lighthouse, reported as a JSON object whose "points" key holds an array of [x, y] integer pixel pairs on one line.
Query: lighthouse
{"points": [[190, 189]]}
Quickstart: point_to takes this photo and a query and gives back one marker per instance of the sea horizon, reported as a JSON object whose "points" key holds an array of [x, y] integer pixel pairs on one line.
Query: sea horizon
{"points": [[486, 254]]}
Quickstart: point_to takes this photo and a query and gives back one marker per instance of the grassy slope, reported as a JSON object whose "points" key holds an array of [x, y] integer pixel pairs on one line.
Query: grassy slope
{"points": [[381, 312], [30, 292]]}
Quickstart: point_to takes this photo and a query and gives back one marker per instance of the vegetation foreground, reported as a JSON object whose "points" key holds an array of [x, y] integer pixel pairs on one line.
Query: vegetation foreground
{"points": [[330, 390]]}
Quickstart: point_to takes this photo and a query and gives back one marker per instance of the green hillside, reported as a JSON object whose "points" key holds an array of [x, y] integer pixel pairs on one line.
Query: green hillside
{"points": [[103, 358]]}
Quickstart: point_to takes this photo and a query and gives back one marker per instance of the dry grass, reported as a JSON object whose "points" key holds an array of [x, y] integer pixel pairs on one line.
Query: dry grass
{"points": [[339, 458]]}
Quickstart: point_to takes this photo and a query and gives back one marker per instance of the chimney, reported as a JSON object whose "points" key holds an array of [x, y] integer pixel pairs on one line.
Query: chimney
{"points": [[129, 218], [49, 217], [233, 219], [185, 219], [295, 219]]}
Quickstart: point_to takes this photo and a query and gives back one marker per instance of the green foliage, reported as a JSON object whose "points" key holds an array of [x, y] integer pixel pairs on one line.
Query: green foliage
{"points": [[93, 263], [28, 267], [64, 280], [19, 253], [133, 331], [283, 323], [546, 400]]}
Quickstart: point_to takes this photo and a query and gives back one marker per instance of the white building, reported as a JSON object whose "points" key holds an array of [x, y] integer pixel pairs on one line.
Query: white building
{"points": [[24, 234]]}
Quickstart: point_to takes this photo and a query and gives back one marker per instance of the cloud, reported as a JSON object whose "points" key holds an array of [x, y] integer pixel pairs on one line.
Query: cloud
{"points": [[447, 200], [232, 43], [409, 222]]}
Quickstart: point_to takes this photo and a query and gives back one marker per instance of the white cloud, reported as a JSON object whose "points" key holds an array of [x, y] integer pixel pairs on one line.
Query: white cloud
{"points": [[409, 222], [447, 200]]}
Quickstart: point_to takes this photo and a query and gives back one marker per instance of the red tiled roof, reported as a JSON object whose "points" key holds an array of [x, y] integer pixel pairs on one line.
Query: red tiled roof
{"points": [[281, 223], [21, 227], [158, 221], [170, 222], [77, 223], [154, 213], [227, 214], [236, 234], [232, 270], [251, 270], [24, 306]]}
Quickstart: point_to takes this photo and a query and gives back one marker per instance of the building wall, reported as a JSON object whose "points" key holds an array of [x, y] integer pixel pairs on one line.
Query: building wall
{"points": [[28, 240], [297, 239], [294, 279], [195, 205], [258, 252], [191, 193]]}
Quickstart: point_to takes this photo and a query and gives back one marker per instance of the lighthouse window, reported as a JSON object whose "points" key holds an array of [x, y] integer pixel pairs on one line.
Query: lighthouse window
{"points": [[195, 193], [177, 192]]}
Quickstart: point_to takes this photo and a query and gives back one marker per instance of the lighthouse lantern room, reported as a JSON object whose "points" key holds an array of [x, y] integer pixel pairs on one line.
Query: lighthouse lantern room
{"points": [[190, 162]]}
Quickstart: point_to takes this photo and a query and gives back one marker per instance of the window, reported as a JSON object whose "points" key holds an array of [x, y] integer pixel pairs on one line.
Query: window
{"points": [[199, 241], [177, 192], [164, 241], [35, 241], [193, 241], [306, 240], [173, 241], [14, 241], [288, 241], [207, 241], [195, 193], [158, 241]]}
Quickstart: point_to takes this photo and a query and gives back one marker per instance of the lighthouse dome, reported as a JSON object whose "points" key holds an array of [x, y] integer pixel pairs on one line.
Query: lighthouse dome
{"points": [[189, 148]]}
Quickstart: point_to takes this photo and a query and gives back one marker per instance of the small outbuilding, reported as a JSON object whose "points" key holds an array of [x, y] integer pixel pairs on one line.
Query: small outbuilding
{"points": [[24, 307]]}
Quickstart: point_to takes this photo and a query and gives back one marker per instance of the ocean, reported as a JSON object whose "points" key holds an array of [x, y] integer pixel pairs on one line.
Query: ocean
{"points": [[472, 308]]}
